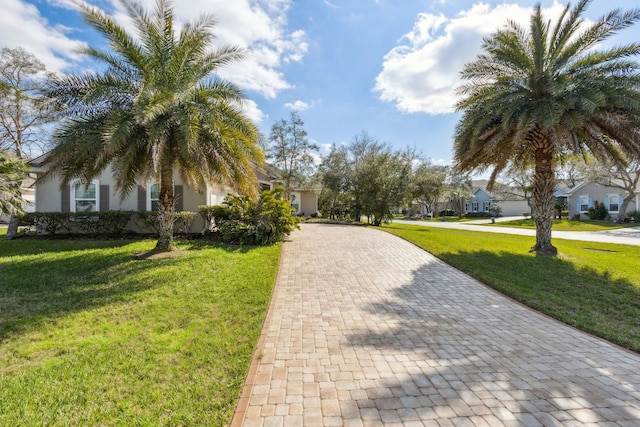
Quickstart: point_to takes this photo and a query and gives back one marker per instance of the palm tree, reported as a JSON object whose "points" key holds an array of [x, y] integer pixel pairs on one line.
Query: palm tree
{"points": [[12, 172], [535, 95], [155, 107]]}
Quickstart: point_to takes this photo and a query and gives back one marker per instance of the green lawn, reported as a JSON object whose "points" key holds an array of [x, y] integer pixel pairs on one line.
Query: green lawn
{"points": [[565, 225], [452, 219], [592, 286], [91, 336]]}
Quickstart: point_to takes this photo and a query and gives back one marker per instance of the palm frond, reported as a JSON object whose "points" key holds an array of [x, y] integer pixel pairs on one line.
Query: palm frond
{"points": [[158, 104]]}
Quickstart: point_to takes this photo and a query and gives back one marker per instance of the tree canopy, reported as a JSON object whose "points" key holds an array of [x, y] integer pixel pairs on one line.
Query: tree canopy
{"points": [[366, 178], [23, 109], [291, 151], [13, 171]]}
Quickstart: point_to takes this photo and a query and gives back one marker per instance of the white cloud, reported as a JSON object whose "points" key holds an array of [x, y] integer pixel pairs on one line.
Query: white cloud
{"points": [[251, 110], [422, 72], [298, 105], [22, 25], [329, 4], [258, 26]]}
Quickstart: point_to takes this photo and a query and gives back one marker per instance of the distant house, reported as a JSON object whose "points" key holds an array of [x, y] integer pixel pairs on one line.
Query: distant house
{"points": [[483, 201], [101, 195], [480, 201], [584, 196], [507, 203]]}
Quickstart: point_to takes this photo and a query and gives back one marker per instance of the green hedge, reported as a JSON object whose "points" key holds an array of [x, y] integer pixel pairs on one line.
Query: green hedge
{"points": [[54, 223], [111, 223], [477, 215]]}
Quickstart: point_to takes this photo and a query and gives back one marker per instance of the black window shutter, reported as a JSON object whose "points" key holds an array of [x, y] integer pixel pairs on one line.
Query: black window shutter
{"points": [[104, 198], [65, 203], [142, 198]]}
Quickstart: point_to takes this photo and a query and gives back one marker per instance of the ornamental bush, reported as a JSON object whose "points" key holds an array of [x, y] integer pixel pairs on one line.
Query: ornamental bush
{"points": [[242, 221], [635, 215], [598, 211], [184, 219], [112, 223]]}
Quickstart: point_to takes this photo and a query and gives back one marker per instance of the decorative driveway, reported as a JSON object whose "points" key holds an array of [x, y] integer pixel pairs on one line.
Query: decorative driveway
{"points": [[366, 329]]}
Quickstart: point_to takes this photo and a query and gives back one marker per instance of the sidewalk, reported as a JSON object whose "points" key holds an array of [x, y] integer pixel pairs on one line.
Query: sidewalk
{"points": [[366, 329]]}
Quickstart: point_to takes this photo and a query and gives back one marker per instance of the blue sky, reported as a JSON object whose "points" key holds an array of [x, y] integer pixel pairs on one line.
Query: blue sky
{"points": [[386, 67]]}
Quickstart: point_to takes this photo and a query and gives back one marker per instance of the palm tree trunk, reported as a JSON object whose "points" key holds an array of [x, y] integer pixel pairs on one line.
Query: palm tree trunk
{"points": [[543, 201], [166, 211], [12, 230]]}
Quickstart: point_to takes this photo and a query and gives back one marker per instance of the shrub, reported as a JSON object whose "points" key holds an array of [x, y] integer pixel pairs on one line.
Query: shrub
{"points": [[598, 211], [54, 223], [183, 223], [146, 221], [240, 220], [47, 222], [477, 215], [112, 223], [208, 214], [635, 215], [526, 214]]}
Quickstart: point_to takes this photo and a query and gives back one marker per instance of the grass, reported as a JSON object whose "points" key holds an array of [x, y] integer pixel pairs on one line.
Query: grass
{"points": [[592, 286], [90, 336], [452, 219], [565, 225]]}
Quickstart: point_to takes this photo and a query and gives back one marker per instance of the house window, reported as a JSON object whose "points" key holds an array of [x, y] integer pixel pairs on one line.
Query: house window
{"points": [[474, 206], [613, 202], [265, 186], [85, 197], [584, 203], [487, 206], [153, 195]]}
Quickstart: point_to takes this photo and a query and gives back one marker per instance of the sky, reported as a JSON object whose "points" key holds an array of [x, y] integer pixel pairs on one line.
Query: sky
{"points": [[385, 67]]}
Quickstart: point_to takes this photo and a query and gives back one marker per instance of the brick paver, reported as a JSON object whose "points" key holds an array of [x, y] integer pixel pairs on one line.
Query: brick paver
{"points": [[366, 329]]}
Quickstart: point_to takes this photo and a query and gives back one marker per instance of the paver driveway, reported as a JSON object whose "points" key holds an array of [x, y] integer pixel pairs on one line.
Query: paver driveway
{"points": [[367, 329]]}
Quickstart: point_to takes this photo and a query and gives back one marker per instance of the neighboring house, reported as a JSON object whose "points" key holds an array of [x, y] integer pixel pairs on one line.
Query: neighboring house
{"points": [[101, 195], [583, 196], [480, 201], [303, 198], [484, 201]]}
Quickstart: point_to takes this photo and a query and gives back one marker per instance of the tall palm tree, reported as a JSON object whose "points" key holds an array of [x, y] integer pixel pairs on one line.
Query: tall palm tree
{"points": [[534, 95], [13, 171], [156, 106]]}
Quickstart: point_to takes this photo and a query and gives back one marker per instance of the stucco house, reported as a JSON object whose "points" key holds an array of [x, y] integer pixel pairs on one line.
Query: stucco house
{"points": [[484, 201], [584, 195], [101, 194]]}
